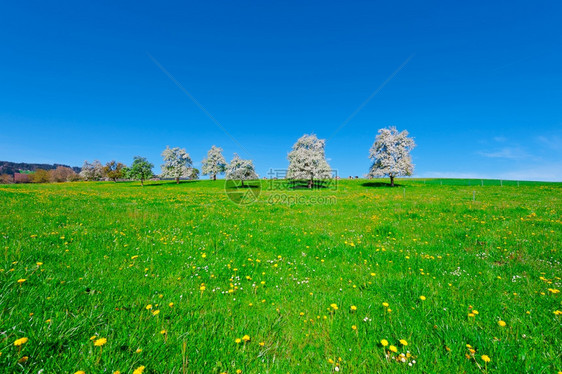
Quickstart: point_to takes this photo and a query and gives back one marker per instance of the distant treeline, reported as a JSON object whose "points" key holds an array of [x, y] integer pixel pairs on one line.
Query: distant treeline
{"points": [[7, 167]]}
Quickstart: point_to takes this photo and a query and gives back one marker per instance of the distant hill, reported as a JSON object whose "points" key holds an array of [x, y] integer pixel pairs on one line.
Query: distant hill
{"points": [[7, 167]]}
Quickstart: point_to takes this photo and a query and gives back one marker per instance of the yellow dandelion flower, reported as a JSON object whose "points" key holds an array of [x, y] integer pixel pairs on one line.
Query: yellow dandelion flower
{"points": [[171, 305], [238, 340], [100, 342], [20, 281], [502, 323], [202, 288], [23, 359], [246, 338], [149, 306], [156, 312], [353, 308], [475, 312], [334, 306], [557, 312], [422, 298], [116, 372], [485, 358], [403, 342], [139, 350], [393, 348], [385, 304], [139, 370], [353, 327], [163, 332], [262, 344], [80, 372], [384, 342], [20, 341]]}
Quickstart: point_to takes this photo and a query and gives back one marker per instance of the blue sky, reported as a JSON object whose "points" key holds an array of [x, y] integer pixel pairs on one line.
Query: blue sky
{"points": [[481, 92]]}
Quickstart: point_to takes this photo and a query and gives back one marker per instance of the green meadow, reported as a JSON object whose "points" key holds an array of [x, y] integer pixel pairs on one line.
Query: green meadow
{"points": [[431, 276]]}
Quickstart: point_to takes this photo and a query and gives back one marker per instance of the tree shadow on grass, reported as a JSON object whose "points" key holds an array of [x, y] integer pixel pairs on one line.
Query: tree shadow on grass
{"points": [[379, 184], [165, 183], [303, 185]]}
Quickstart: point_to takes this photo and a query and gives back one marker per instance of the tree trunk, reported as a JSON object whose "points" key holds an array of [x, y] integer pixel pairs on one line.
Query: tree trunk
{"points": [[178, 180], [142, 182], [310, 183], [392, 181], [242, 182], [214, 177]]}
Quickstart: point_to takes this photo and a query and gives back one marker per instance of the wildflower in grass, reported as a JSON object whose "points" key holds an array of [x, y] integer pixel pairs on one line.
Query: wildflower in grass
{"points": [[80, 372], [334, 306], [139, 370], [353, 327], [171, 305], [139, 350], [93, 337], [502, 323], [384, 342], [20, 281], [156, 312], [202, 288], [353, 308], [485, 358], [116, 372], [21, 341], [246, 338], [23, 359], [262, 344], [100, 342], [163, 332], [149, 306], [393, 348], [39, 263], [238, 340], [471, 314], [422, 298], [403, 342], [557, 312]]}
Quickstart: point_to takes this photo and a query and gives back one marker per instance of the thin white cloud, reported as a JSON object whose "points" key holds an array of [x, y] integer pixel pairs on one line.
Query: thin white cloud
{"points": [[511, 153], [548, 172], [453, 174], [551, 142]]}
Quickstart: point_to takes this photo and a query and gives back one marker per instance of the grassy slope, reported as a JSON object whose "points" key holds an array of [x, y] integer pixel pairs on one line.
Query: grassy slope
{"points": [[499, 255]]}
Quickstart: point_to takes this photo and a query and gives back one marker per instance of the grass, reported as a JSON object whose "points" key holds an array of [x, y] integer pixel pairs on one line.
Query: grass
{"points": [[171, 275]]}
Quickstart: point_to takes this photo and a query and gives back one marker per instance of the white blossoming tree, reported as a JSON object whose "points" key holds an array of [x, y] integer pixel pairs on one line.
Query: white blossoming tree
{"points": [[240, 170], [307, 160], [93, 171], [214, 163], [391, 154], [177, 164]]}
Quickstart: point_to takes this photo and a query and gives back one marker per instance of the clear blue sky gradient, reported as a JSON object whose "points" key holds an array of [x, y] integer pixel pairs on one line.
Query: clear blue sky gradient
{"points": [[482, 94]]}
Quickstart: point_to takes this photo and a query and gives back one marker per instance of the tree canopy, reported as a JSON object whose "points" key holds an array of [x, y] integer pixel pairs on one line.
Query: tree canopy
{"points": [[390, 154]]}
